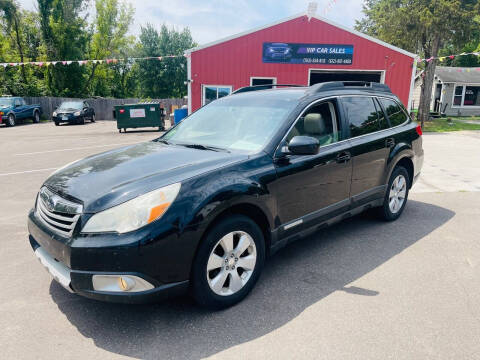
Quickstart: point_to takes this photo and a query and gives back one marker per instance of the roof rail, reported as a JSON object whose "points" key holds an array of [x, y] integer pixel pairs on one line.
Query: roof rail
{"points": [[263, 87], [340, 85]]}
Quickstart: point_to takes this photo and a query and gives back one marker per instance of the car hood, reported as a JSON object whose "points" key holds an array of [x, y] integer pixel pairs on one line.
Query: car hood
{"points": [[108, 179]]}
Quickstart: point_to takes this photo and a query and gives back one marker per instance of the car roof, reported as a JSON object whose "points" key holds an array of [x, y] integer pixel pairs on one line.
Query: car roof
{"points": [[320, 90]]}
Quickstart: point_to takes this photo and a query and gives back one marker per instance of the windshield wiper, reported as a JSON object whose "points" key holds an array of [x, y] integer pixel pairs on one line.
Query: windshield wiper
{"points": [[162, 141], [203, 147]]}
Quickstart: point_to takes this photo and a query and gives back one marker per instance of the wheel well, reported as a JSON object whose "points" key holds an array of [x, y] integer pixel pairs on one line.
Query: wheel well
{"points": [[251, 211], [408, 165]]}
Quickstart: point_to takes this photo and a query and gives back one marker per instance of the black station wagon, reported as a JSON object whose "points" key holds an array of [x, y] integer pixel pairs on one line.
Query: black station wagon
{"points": [[199, 209]]}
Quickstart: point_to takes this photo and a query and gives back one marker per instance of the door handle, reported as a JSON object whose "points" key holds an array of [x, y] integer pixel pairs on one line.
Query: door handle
{"points": [[343, 157], [390, 142]]}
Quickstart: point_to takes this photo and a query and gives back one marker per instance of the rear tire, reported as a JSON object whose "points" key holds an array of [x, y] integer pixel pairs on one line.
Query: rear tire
{"points": [[396, 195], [36, 117], [228, 263], [11, 120]]}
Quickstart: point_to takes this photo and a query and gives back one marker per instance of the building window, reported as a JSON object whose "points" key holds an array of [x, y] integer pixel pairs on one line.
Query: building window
{"points": [[214, 92], [255, 81], [466, 96], [472, 96], [457, 98]]}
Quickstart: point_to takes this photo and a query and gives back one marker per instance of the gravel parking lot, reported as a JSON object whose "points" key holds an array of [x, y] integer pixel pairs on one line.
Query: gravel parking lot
{"points": [[362, 289]]}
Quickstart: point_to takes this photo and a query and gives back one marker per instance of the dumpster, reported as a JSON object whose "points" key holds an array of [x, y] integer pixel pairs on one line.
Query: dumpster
{"points": [[179, 115], [132, 116]]}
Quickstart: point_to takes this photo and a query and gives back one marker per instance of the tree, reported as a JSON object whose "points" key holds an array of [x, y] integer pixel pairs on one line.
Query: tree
{"points": [[112, 21], [422, 26], [166, 77], [9, 10], [21, 42], [63, 27]]}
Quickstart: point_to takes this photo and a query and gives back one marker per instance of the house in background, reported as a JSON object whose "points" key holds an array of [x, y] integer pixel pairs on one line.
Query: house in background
{"points": [[456, 91]]}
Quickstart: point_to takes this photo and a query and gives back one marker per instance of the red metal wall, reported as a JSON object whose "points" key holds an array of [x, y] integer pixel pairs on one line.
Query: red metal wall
{"points": [[233, 62]]}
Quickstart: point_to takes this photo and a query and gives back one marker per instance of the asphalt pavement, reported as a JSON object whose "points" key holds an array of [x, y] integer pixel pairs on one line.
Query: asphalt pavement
{"points": [[362, 289]]}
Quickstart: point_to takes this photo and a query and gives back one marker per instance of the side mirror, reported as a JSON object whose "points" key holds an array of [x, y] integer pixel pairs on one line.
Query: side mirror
{"points": [[303, 145], [18, 105]]}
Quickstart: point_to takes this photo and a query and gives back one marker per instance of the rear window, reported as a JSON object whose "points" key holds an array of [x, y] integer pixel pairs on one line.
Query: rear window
{"points": [[361, 114], [394, 112], [382, 120]]}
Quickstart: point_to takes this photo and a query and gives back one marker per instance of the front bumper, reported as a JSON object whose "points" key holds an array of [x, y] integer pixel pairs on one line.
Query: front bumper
{"points": [[73, 264], [68, 118]]}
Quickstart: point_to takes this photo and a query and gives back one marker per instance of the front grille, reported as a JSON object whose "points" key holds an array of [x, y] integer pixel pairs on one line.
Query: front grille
{"points": [[61, 222]]}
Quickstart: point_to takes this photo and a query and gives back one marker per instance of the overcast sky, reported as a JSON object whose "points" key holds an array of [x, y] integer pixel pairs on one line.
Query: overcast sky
{"points": [[211, 20]]}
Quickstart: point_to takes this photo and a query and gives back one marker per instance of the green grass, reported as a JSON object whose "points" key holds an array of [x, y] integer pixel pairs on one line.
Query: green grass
{"points": [[442, 125]]}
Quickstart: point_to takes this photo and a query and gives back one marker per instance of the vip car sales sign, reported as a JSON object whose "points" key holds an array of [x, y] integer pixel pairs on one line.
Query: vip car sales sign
{"points": [[292, 53]]}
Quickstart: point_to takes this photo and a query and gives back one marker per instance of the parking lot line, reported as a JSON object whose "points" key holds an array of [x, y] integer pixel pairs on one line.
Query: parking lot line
{"points": [[70, 149], [29, 171]]}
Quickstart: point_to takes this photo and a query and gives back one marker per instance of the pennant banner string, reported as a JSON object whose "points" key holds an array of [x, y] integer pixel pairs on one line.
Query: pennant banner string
{"points": [[442, 58], [84, 62]]}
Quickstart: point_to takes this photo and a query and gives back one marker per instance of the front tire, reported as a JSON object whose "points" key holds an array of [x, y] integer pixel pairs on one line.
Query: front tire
{"points": [[93, 118], [11, 120], [396, 195], [228, 262]]}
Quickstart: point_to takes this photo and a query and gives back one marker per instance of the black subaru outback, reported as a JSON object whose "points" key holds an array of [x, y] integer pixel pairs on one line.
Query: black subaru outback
{"points": [[199, 209]]}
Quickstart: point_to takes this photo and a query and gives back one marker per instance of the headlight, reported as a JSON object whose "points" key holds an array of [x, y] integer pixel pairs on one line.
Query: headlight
{"points": [[77, 113], [54, 113], [135, 213]]}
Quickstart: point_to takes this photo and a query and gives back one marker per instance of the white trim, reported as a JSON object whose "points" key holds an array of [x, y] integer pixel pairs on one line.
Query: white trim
{"points": [[217, 86], [412, 85], [462, 105], [263, 77], [442, 97], [354, 32], [189, 83], [382, 72]]}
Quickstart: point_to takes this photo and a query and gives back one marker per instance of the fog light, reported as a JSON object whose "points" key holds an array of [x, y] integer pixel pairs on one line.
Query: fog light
{"points": [[126, 283], [120, 283]]}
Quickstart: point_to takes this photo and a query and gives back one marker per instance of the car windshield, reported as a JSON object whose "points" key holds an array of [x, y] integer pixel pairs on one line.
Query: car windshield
{"points": [[6, 102], [244, 122], [71, 105]]}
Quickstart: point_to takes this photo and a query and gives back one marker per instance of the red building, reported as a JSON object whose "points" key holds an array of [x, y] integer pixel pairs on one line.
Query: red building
{"points": [[296, 50]]}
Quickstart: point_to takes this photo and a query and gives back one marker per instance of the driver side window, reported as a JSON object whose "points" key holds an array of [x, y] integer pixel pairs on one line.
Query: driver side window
{"points": [[319, 121]]}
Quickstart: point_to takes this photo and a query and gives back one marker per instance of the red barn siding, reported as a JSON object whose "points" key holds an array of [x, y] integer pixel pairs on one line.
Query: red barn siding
{"points": [[233, 62]]}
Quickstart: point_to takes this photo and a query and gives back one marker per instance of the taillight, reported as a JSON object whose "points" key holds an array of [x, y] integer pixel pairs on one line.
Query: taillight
{"points": [[1, 113], [122, 111], [419, 130]]}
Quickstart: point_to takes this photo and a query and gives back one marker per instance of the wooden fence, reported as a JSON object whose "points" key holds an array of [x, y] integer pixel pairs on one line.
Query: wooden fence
{"points": [[103, 107]]}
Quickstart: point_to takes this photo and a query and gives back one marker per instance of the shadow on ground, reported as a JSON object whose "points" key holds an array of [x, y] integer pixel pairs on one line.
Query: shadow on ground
{"points": [[298, 276]]}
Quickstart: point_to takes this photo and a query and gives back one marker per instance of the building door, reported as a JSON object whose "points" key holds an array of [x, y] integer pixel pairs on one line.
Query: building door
{"points": [[319, 76]]}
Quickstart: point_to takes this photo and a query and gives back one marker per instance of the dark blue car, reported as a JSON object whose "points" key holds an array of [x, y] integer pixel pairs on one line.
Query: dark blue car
{"points": [[13, 109], [278, 51]]}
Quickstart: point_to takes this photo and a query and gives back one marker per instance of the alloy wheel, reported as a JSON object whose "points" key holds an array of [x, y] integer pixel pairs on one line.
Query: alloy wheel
{"points": [[398, 191], [231, 263]]}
